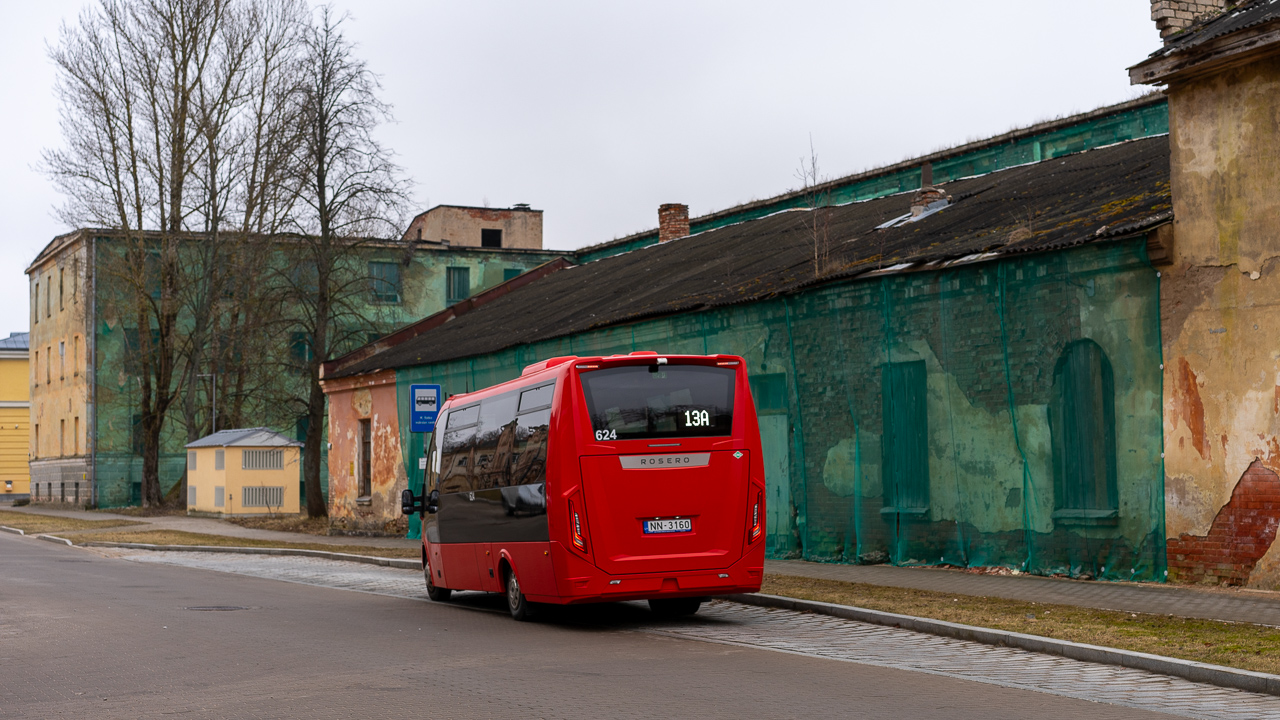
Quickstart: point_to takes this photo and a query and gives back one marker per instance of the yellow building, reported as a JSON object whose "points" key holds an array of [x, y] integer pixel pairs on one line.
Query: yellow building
{"points": [[253, 471], [15, 416]]}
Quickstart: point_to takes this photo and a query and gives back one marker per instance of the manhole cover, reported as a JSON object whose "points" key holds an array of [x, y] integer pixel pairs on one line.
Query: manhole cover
{"points": [[216, 608]]}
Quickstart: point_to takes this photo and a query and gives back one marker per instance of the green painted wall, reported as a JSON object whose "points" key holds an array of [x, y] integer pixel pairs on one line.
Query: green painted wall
{"points": [[989, 338]]}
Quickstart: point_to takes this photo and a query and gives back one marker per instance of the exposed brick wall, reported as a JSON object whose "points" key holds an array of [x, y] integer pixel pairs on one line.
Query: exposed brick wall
{"points": [[1172, 16], [673, 221], [1240, 535]]}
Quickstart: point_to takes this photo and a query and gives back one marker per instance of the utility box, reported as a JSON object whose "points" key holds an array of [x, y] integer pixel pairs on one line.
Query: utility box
{"points": [[234, 473]]}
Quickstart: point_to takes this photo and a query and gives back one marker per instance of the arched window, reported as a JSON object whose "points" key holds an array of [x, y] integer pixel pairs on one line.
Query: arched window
{"points": [[1083, 424]]}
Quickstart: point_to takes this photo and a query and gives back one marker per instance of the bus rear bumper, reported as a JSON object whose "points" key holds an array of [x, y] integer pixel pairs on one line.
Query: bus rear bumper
{"points": [[585, 583]]}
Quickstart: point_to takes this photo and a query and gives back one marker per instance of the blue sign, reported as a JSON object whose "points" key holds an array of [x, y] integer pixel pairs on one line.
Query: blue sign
{"points": [[425, 409]]}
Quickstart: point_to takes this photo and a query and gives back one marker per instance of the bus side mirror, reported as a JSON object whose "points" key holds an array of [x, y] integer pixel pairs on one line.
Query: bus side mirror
{"points": [[410, 503], [433, 502]]}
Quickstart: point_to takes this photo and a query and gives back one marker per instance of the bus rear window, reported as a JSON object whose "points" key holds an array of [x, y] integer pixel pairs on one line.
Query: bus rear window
{"points": [[659, 401]]}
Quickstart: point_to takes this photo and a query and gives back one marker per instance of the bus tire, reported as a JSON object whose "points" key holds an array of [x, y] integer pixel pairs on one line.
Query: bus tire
{"points": [[437, 594], [674, 607], [520, 607]]}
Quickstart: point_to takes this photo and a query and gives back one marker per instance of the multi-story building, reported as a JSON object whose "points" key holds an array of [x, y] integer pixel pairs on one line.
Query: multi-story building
{"points": [[15, 396], [84, 435]]}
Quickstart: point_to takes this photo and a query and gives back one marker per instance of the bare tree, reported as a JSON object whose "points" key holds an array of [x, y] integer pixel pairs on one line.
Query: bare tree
{"points": [[818, 201], [353, 191]]}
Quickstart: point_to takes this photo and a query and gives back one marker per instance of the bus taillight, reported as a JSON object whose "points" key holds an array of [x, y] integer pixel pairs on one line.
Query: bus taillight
{"points": [[757, 526], [575, 533]]}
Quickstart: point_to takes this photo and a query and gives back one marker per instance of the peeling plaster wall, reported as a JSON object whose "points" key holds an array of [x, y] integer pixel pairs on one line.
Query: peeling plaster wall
{"points": [[380, 512], [1220, 310]]}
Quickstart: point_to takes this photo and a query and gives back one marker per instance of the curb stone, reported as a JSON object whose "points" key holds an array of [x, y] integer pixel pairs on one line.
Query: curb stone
{"points": [[55, 539], [15, 531], [1219, 675], [401, 563]]}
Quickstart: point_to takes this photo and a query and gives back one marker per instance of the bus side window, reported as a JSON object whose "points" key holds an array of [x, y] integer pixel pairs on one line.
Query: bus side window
{"points": [[458, 450], [494, 442], [530, 465], [431, 475], [529, 459]]}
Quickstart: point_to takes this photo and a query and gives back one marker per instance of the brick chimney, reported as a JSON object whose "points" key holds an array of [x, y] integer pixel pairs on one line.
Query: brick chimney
{"points": [[1173, 16], [673, 221]]}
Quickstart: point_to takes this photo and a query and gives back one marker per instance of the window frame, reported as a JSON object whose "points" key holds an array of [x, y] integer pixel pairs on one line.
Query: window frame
{"points": [[383, 289]]}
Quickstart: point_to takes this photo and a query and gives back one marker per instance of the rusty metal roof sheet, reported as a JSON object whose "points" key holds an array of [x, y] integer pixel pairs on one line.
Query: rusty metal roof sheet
{"points": [[1109, 192]]}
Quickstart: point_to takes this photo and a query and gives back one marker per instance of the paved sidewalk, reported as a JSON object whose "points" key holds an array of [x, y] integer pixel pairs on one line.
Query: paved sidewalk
{"points": [[1235, 605], [210, 526]]}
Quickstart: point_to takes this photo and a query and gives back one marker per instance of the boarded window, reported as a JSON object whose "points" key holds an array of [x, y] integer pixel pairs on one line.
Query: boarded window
{"points": [[219, 496], [490, 238], [365, 479], [1082, 423], [458, 284], [385, 277], [906, 435], [219, 459], [262, 497], [511, 273], [191, 459], [191, 496], [262, 459]]}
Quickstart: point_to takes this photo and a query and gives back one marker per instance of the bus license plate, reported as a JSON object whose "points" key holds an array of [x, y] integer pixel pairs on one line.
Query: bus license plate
{"points": [[668, 526]]}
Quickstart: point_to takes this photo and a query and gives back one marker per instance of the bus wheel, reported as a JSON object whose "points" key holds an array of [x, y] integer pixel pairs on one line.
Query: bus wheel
{"points": [[437, 594], [516, 602], [674, 607]]}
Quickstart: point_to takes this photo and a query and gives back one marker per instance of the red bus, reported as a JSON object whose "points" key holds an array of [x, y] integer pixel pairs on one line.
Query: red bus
{"points": [[596, 479]]}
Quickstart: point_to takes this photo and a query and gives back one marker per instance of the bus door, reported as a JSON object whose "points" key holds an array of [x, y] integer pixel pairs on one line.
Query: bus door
{"points": [[666, 499]]}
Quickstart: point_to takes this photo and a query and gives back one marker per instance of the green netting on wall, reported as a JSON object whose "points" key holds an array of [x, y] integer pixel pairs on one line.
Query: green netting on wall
{"points": [[1005, 413]]}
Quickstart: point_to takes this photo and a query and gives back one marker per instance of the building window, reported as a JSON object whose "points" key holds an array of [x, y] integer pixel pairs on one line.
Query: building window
{"points": [[364, 483], [191, 496], [386, 281], [906, 435], [1082, 424], [458, 285], [60, 279], [62, 359], [75, 357], [219, 459], [300, 350], [490, 238], [75, 435], [191, 459], [75, 281], [511, 273], [35, 450], [35, 306], [36, 368], [48, 296], [220, 496], [48, 364], [62, 437]]}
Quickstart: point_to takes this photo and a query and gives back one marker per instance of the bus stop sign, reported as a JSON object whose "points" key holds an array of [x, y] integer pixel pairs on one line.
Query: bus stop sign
{"points": [[426, 407]]}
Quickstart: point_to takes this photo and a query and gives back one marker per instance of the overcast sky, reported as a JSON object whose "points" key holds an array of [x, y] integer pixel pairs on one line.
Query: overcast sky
{"points": [[597, 113]]}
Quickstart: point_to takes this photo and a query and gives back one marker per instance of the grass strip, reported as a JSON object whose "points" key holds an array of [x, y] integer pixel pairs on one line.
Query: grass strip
{"points": [[31, 523], [178, 537], [1238, 645]]}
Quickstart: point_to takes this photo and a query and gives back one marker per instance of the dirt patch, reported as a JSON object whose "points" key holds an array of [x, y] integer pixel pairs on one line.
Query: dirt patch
{"points": [[177, 537], [1240, 645], [286, 523]]}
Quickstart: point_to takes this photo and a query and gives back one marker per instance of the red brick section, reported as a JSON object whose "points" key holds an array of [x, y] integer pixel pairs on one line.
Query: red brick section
{"points": [[1240, 535], [673, 221]]}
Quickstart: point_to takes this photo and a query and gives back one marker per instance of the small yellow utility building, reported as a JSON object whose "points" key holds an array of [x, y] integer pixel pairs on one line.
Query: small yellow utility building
{"points": [[15, 417], [253, 471]]}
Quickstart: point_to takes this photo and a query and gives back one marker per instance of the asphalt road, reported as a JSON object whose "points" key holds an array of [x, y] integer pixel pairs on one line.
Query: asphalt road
{"points": [[84, 634]]}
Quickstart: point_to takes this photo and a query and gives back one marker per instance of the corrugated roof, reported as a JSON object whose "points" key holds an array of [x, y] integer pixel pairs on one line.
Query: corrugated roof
{"points": [[1068, 201], [16, 341], [245, 437], [1242, 16]]}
